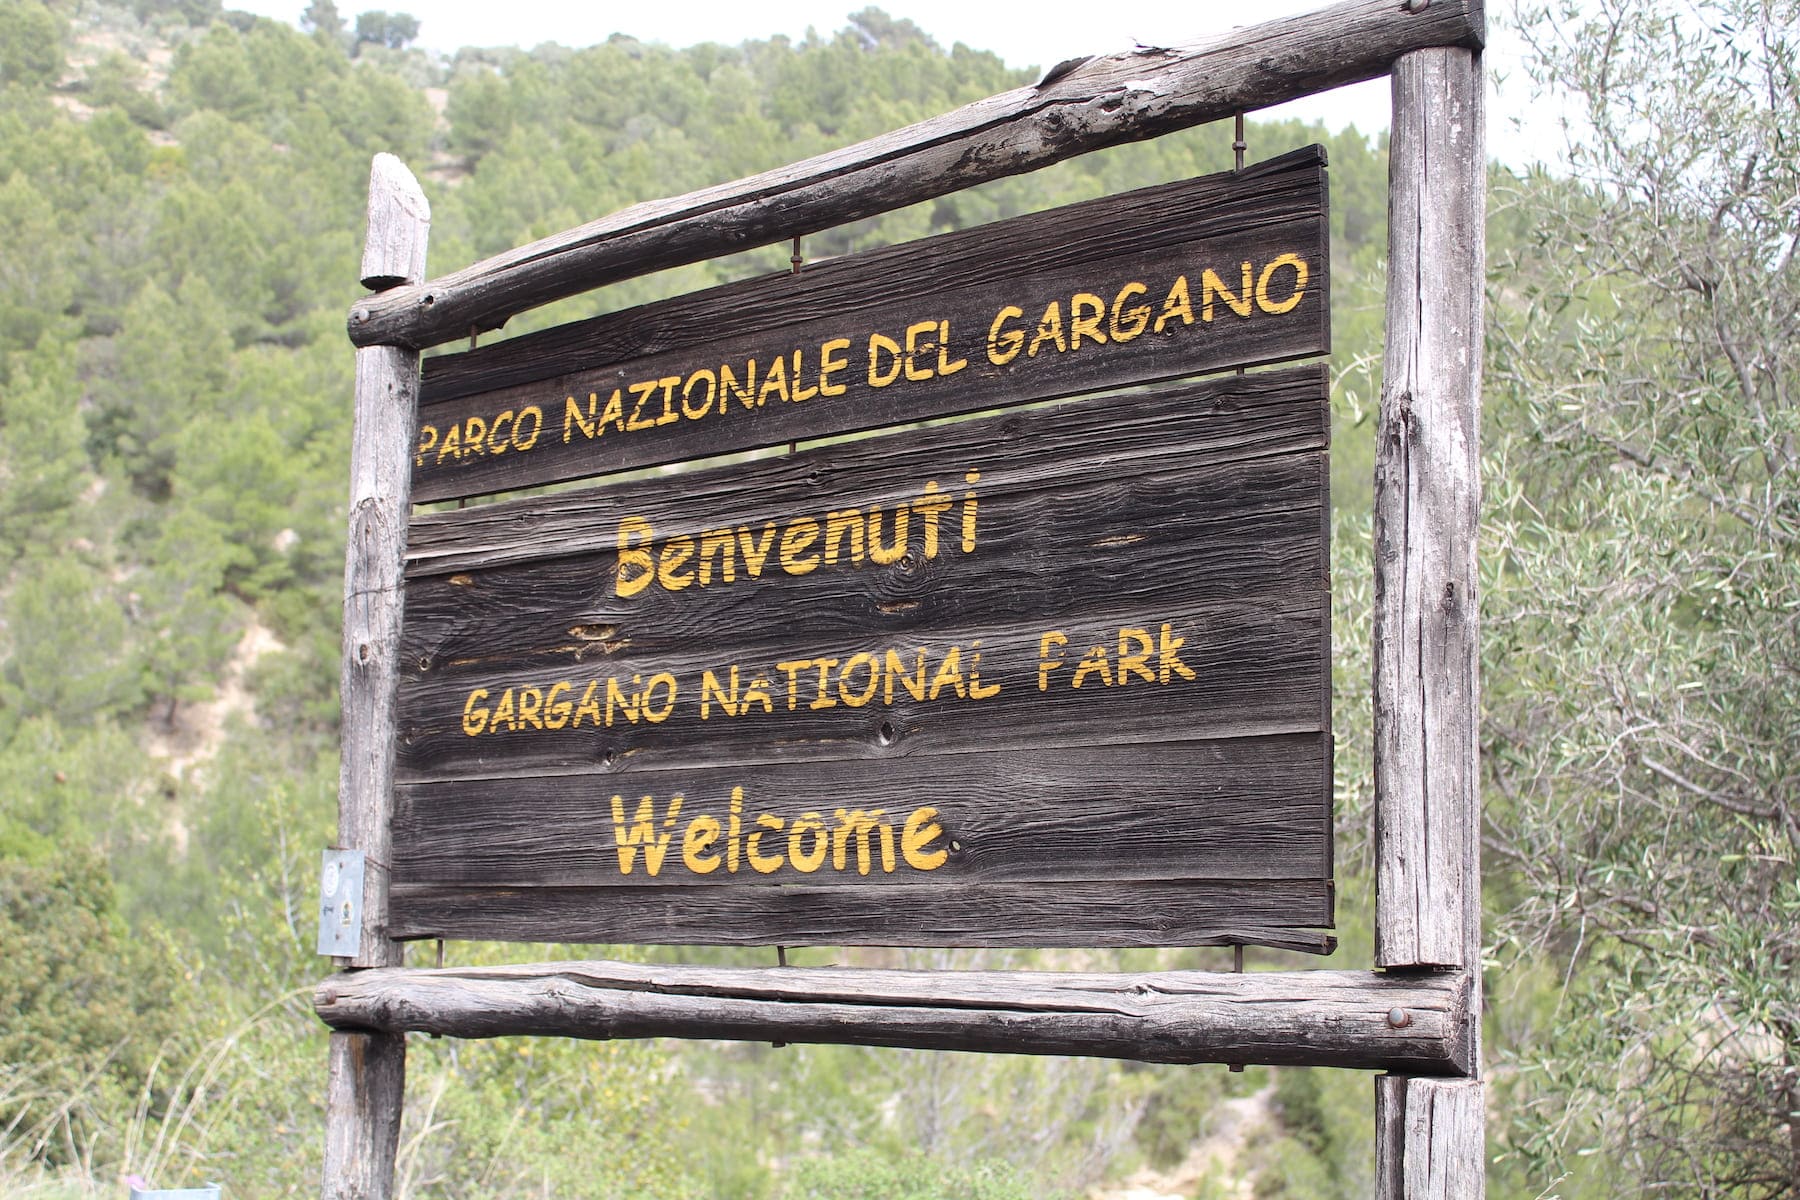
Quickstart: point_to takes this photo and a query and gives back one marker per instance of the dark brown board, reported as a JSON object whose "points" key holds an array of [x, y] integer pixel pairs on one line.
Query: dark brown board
{"points": [[1205, 513], [535, 408], [1224, 809], [1201, 506], [1181, 912]]}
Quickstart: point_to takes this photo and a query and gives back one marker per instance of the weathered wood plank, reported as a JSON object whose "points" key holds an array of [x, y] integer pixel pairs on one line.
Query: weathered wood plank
{"points": [[1432, 1143], [387, 393], [1152, 285], [1430, 1133], [366, 1088], [1240, 809], [1316, 1018], [363, 1094], [1215, 421], [1074, 913], [1205, 514], [1108, 100], [1285, 190], [1254, 664], [1427, 499]]}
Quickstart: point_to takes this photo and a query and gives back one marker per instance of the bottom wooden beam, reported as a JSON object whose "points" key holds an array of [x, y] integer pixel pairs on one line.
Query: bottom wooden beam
{"points": [[1352, 1019], [363, 1100], [1430, 1139]]}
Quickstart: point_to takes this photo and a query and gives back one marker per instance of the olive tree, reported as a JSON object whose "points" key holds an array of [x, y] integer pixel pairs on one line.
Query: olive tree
{"points": [[1642, 725]]}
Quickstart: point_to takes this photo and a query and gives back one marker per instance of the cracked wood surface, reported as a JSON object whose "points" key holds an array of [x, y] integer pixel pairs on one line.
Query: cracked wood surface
{"points": [[1322, 1018]]}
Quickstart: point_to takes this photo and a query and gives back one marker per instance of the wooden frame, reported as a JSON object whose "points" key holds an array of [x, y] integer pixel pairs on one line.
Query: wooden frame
{"points": [[1430, 1118]]}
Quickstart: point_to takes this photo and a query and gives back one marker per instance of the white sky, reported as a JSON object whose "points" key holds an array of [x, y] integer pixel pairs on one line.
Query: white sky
{"points": [[1040, 34]]}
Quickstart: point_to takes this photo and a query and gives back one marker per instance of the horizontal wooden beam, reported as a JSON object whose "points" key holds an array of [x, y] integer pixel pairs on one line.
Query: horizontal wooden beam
{"points": [[1105, 101], [1418, 1024]]}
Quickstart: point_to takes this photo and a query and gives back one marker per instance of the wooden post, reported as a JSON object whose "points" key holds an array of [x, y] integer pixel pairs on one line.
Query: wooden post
{"points": [[1427, 495], [368, 1070]]}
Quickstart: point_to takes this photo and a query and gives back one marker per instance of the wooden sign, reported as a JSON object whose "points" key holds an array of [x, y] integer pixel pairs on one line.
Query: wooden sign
{"points": [[1057, 677], [1151, 285]]}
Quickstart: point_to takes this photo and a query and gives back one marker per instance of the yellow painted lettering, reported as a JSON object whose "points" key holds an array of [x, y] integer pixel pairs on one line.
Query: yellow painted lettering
{"points": [[1168, 662], [475, 717], [531, 701], [1277, 307], [915, 373], [1086, 311], [1129, 323], [774, 382], [689, 409], [675, 551], [711, 690], [920, 831], [556, 712], [848, 521], [718, 547], [828, 365], [853, 698], [1050, 329], [763, 864], [1095, 661], [745, 395], [795, 538], [636, 568], [1176, 304], [949, 675], [808, 861], [801, 393], [755, 553], [428, 437], [701, 835], [1211, 285], [880, 344], [1135, 648], [1053, 640], [896, 669], [647, 701], [642, 391], [1003, 345], [891, 553]]}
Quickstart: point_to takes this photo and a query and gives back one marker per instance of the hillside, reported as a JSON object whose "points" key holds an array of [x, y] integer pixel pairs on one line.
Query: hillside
{"points": [[181, 199]]}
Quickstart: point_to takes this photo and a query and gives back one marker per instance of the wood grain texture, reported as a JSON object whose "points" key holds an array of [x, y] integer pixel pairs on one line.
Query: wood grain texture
{"points": [[1192, 518], [399, 222], [1238, 809], [1108, 100], [1205, 510], [1285, 913], [387, 392], [1427, 497], [364, 1090], [1431, 1138], [1316, 1018], [1131, 269]]}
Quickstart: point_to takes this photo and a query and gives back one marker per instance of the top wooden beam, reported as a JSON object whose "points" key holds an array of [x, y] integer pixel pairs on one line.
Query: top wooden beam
{"points": [[1104, 101]]}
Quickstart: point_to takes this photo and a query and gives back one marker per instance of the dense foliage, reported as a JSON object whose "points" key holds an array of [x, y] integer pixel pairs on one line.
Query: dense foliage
{"points": [[181, 193]]}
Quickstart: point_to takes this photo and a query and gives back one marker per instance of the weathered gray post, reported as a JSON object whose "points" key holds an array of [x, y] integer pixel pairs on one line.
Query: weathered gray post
{"points": [[368, 1070], [1429, 1132]]}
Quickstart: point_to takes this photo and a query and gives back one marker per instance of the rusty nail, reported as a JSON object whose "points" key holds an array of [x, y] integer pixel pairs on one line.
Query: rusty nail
{"points": [[1399, 1018]]}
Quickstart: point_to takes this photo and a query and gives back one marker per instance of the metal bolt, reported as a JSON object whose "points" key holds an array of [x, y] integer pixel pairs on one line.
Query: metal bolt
{"points": [[328, 997], [1399, 1018], [1417, 5]]}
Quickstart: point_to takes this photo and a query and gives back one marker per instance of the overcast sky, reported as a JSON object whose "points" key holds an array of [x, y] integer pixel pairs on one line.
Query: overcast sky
{"points": [[1037, 35]]}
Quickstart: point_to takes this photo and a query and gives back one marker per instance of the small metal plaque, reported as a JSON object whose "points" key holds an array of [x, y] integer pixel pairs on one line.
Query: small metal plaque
{"points": [[340, 904]]}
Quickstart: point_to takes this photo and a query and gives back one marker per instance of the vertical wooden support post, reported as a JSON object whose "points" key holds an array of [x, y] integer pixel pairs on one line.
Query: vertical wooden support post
{"points": [[367, 1082], [1427, 497]]}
